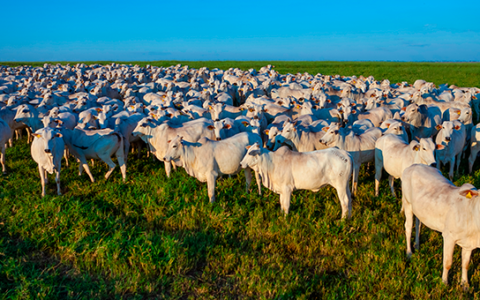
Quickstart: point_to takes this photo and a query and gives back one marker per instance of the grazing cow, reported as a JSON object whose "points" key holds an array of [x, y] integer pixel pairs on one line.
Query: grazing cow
{"points": [[450, 141], [361, 147], [47, 151], [96, 144], [441, 206], [208, 159], [285, 171], [394, 154]]}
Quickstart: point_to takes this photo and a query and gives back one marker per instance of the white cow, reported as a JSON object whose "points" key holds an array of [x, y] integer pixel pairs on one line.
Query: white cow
{"points": [[450, 141], [285, 171], [96, 144], [47, 151], [156, 136], [441, 206], [208, 159], [394, 154], [361, 147]]}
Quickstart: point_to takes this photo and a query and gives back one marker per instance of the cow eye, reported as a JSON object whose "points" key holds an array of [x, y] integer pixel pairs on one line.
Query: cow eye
{"points": [[424, 149]]}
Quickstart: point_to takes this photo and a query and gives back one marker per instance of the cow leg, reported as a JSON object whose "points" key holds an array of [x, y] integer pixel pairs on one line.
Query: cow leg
{"points": [[418, 226], [459, 157], [65, 155], [174, 166], [108, 160], [259, 182], [391, 181], [211, 181], [248, 178], [93, 162], [408, 225], [465, 261], [84, 164], [2, 158], [345, 200], [57, 180], [120, 155], [46, 176], [356, 171], [378, 172], [42, 179], [286, 201], [168, 168], [471, 158], [448, 247], [452, 166]]}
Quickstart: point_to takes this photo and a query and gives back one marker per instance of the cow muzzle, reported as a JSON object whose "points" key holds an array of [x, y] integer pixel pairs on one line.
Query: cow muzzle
{"points": [[448, 139], [48, 151], [433, 165], [219, 139]]}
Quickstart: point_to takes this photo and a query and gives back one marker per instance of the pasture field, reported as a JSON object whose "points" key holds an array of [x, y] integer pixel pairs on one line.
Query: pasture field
{"points": [[154, 237]]}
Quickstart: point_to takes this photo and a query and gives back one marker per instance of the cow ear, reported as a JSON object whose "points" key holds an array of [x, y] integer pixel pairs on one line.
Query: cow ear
{"points": [[325, 129], [210, 127], [438, 127], [265, 110], [329, 101], [339, 104], [245, 123], [439, 147], [227, 126], [354, 111], [352, 104], [37, 135], [416, 148], [457, 127], [98, 109], [169, 141], [59, 135], [404, 108], [266, 131], [469, 193]]}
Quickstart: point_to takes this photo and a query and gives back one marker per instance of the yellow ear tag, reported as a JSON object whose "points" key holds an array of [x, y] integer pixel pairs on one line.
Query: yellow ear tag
{"points": [[469, 195]]}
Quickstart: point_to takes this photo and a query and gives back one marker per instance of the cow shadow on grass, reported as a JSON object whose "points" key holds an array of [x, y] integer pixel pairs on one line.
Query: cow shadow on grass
{"points": [[26, 271]]}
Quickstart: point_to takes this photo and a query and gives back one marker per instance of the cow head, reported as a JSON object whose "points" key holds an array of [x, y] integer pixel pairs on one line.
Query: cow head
{"points": [[174, 149], [331, 136], [251, 159], [46, 136]]}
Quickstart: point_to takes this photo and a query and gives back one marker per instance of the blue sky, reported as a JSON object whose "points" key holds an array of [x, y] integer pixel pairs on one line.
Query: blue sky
{"points": [[243, 30]]}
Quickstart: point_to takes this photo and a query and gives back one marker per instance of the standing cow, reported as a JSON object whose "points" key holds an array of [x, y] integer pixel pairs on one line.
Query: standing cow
{"points": [[47, 151], [441, 206], [285, 171]]}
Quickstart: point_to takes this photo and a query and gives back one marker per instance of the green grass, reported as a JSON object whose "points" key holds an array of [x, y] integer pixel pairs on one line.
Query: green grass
{"points": [[158, 237]]}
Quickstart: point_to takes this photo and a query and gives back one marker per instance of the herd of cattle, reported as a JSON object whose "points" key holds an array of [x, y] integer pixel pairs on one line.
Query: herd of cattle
{"points": [[294, 131]]}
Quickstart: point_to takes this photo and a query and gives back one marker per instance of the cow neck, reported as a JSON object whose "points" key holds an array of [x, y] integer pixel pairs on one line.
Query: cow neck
{"points": [[266, 167], [188, 159]]}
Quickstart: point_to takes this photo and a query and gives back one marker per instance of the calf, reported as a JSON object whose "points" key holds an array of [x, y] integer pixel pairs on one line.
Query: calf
{"points": [[47, 151]]}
